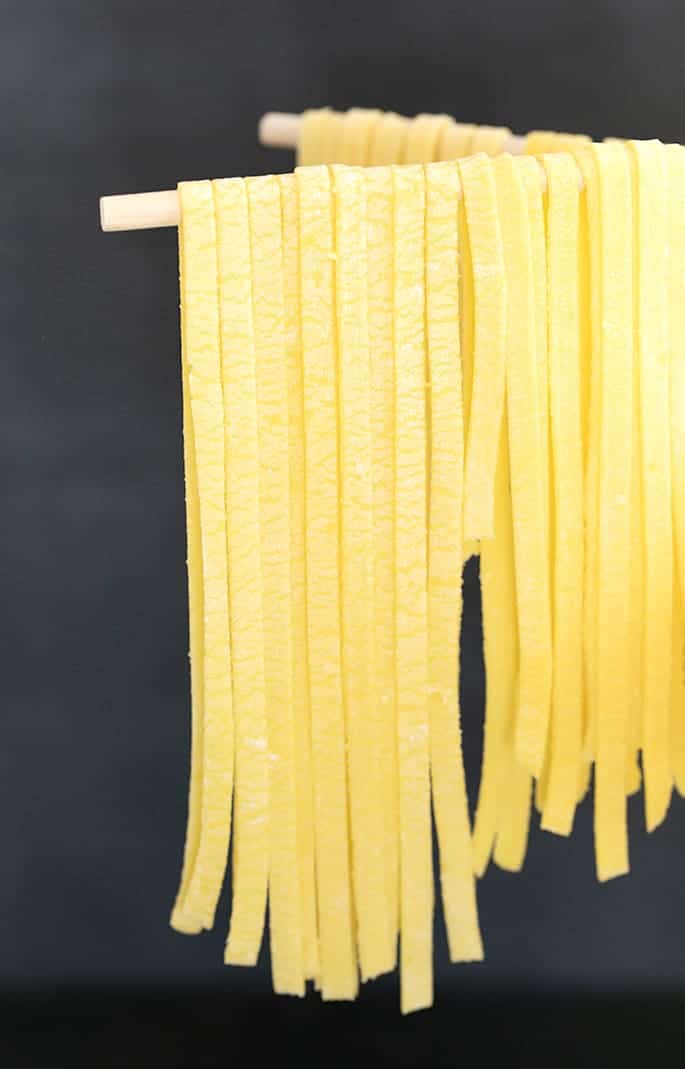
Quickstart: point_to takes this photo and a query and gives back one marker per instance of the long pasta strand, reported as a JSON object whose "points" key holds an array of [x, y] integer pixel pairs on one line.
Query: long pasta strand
{"points": [[487, 388], [527, 477], [310, 146], [379, 196], [238, 358], [298, 577], [567, 468], [180, 919], [338, 966], [675, 171], [362, 712], [423, 138], [455, 140], [445, 559], [202, 359], [357, 134], [615, 407], [500, 648], [416, 868], [651, 308], [387, 143]]}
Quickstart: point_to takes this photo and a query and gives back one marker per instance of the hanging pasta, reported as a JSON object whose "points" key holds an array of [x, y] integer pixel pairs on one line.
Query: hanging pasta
{"points": [[390, 362]]}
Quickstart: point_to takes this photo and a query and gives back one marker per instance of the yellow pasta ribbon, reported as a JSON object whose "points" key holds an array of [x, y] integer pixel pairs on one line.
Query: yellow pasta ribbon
{"points": [[298, 578], [450, 802], [202, 377], [567, 471], [615, 411], [387, 143], [416, 867], [455, 140], [338, 964], [238, 358], [650, 190], [423, 138], [489, 139], [379, 212], [357, 134], [310, 144], [363, 714], [180, 919], [500, 650], [527, 471], [488, 361], [675, 172]]}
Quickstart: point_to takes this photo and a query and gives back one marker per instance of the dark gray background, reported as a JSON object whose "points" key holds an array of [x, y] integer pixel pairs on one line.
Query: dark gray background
{"points": [[123, 96]]}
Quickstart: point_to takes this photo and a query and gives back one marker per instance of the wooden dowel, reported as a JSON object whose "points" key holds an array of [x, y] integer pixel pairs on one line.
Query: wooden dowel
{"points": [[146, 211], [279, 129], [140, 211]]}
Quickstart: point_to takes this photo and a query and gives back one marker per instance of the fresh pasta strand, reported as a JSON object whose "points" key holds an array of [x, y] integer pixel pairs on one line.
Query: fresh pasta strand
{"points": [[567, 468], [650, 190], [240, 427], [536, 223], [416, 867], [180, 919], [379, 197], [362, 712], [204, 874], [357, 135], [487, 389], [423, 138], [450, 803], [527, 474], [298, 576], [489, 139], [310, 145], [675, 170], [455, 140], [500, 648], [614, 411], [338, 964]]}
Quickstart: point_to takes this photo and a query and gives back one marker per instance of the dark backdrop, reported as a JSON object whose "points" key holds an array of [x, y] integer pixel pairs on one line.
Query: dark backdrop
{"points": [[133, 95]]}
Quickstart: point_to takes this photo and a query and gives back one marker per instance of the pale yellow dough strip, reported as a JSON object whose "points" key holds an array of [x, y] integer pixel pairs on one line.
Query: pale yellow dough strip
{"points": [[678, 694], [445, 533], [202, 358], [650, 191], [455, 140], [613, 561], [675, 170], [416, 867], [423, 138], [527, 472], [500, 651], [363, 715], [567, 471], [298, 578], [536, 223], [250, 838], [387, 142], [379, 197], [357, 134], [487, 390], [180, 919], [489, 139], [310, 145], [338, 964]]}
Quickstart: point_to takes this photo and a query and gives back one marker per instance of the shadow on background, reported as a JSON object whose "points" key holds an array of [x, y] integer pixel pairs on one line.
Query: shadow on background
{"points": [[204, 1031]]}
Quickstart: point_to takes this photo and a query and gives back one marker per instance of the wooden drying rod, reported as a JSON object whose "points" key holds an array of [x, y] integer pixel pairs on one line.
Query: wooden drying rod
{"points": [[147, 211]]}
